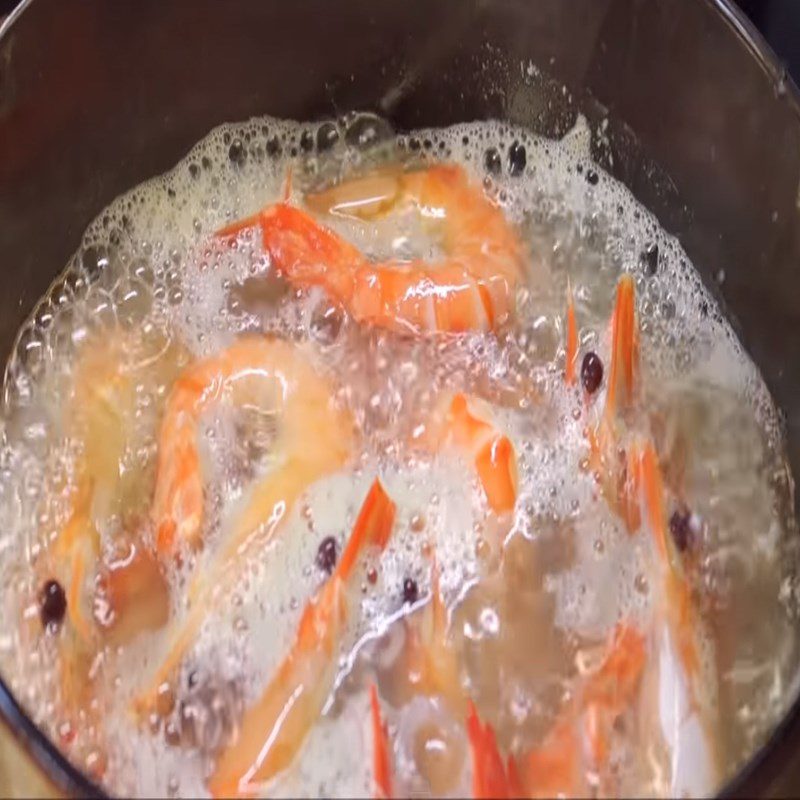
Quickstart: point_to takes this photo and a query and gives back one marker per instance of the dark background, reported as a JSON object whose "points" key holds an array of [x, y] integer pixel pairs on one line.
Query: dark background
{"points": [[778, 21]]}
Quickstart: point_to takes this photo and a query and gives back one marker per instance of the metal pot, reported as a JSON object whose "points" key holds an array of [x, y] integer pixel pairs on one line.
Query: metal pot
{"points": [[703, 126]]}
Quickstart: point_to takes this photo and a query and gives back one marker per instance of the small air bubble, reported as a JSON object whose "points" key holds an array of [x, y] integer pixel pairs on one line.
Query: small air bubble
{"points": [[327, 136], [237, 153], [274, 148], [492, 161], [517, 159]]}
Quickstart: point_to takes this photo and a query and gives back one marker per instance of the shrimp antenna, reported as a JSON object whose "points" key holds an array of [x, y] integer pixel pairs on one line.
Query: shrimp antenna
{"points": [[287, 186]]}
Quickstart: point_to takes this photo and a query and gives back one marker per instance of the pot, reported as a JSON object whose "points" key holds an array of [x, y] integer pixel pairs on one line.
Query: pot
{"points": [[703, 125]]}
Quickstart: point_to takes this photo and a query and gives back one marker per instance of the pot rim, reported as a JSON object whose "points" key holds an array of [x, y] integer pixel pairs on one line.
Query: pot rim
{"points": [[63, 776]]}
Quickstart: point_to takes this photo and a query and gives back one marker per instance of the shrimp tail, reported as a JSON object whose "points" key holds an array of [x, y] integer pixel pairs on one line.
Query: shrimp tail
{"points": [[382, 771]]}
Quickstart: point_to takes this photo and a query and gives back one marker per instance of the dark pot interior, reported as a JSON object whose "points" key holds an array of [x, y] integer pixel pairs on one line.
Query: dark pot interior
{"points": [[703, 127]]}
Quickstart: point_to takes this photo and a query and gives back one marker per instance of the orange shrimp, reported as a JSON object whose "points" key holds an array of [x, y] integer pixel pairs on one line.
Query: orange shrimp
{"points": [[314, 439], [616, 467], [579, 740], [683, 718], [382, 769], [313, 435], [470, 289], [274, 728], [98, 417], [463, 425]]}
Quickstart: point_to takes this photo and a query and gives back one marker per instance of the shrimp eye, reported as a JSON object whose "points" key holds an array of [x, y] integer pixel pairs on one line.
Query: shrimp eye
{"points": [[680, 526], [591, 372], [410, 591], [52, 604], [326, 554]]}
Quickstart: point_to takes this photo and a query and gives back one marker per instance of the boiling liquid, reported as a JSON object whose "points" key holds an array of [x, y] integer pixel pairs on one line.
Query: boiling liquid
{"points": [[531, 604]]}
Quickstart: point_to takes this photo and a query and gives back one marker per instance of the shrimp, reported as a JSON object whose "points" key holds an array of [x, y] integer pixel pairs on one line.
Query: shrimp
{"points": [[578, 743], [313, 436], [629, 470], [99, 418], [461, 422], [471, 289], [684, 720], [274, 728], [314, 439]]}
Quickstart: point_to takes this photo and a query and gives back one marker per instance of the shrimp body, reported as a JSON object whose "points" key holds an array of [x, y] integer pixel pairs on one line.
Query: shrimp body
{"points": [[273, 730], [470, 289], [100, 416], [313, 435]]}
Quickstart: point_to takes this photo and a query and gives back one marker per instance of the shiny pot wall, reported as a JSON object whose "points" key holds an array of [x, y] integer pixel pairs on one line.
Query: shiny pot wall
{"points": [[96, 96]]}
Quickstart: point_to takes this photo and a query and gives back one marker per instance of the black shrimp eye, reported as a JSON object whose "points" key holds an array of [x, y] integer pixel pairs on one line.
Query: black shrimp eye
{"points": [[53, 604], [591, 372], [326, 554], [680, 526], [410, 591]]}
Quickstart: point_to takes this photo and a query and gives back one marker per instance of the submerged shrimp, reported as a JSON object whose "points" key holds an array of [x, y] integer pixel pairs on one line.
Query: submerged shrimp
{"points": [[683, 714], [578, 743], [630, 471], [273, 730], [100, 419], [314, 438], [471, 289]]}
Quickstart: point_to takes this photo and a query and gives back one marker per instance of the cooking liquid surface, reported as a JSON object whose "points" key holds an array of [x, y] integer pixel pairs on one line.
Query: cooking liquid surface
{"points": [[532, 597]]}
